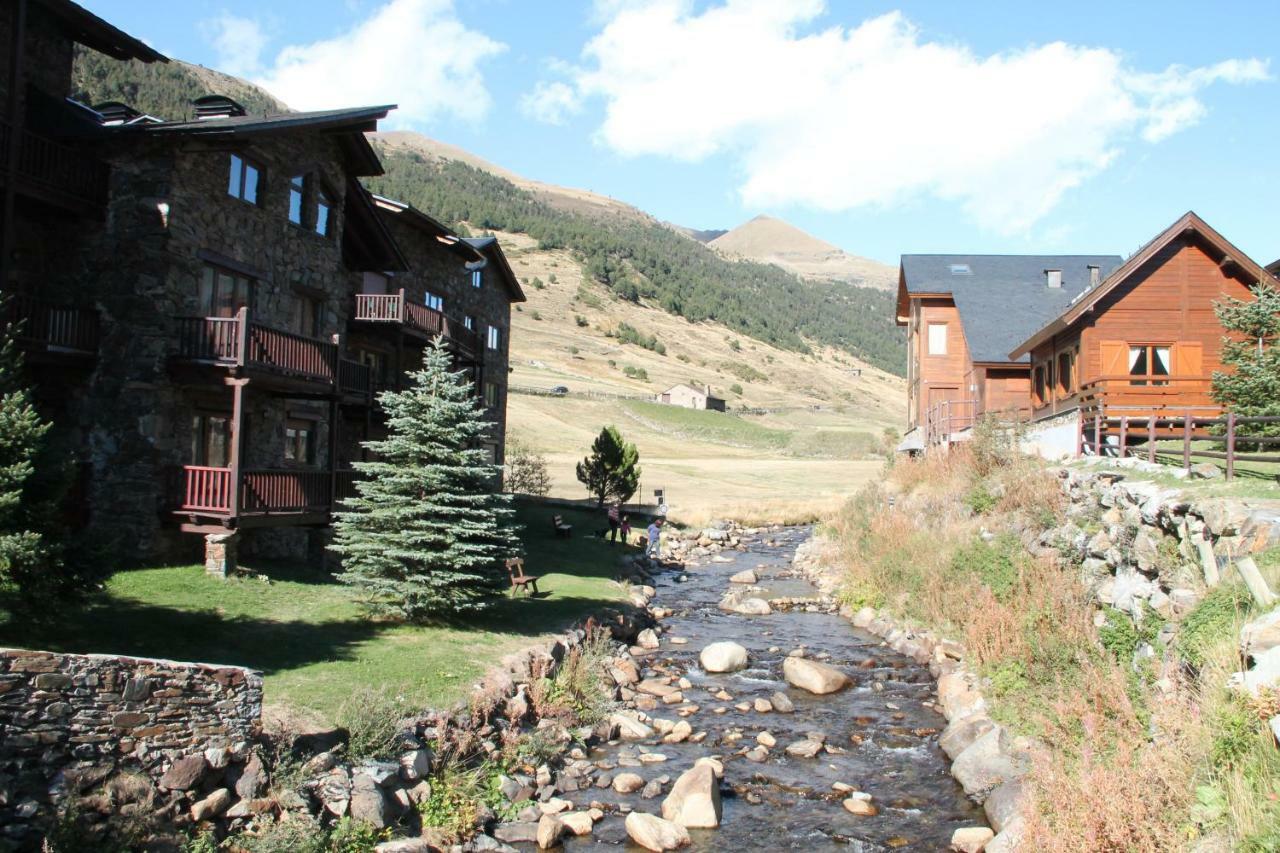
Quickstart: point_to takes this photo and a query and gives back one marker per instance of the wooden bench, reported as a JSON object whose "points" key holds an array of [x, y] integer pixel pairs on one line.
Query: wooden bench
{"points": [[561, 529], [519, 580]]}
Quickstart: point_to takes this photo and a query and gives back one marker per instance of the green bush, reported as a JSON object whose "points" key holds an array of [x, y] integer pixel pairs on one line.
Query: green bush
{"points": [[745, 372], [979, 499], [1212, 619], [628, 334], [1122, 638], [634, 372], [580, 320], [537, 283], [355, 836], [1235, 731], [995, 564], [735, 388]]}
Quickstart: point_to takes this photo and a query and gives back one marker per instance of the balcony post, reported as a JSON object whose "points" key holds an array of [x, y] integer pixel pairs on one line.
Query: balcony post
{"points": [[242, 336], [1187, 426], [333, 453], [400, 306], [237, 443], [1151, 438], [1231, 445], [1124, 435]]}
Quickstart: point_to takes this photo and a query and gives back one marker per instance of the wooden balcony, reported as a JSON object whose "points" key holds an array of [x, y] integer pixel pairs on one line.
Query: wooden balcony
{"points": [[263, 497], [945, 420], [53, 172], [1123, 396], [282, 360], [419, 320], [52, 333]]}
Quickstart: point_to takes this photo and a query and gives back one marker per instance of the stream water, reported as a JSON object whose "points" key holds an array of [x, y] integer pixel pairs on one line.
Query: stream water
{"points": [[885, 737]]}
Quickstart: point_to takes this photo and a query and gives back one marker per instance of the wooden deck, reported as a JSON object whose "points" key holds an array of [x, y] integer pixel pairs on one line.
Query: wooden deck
{"points": [[282, 360], [1117, 396], [48, 332], [53, 172], [419, 320], [264, 497]]}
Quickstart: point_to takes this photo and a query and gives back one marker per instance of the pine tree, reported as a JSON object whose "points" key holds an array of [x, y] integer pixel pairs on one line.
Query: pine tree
{"points": [[428, 532], [1252, 388], [27, 561], [610, 472]]}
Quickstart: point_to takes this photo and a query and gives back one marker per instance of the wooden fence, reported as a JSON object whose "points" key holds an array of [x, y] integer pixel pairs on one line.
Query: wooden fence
{"points": [[1231, 438]]}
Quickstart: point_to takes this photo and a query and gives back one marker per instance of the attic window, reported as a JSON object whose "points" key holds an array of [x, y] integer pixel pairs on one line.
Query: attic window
{"points": [[961, 269], [1053, 278]]}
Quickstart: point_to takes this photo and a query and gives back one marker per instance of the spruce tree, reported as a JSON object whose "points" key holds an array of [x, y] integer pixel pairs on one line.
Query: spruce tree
{"points": [[611, 471], [1252, 387], [428, 533], [28, 562]]}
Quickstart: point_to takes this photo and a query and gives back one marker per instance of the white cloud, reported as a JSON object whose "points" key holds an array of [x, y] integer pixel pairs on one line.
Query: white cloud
{"points": [[414, 53], [550, 103], [237, 42], [839, 118]]}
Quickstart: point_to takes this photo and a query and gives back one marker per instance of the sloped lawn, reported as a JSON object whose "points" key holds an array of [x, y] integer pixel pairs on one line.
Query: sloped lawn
{"points": [[308, 633]]}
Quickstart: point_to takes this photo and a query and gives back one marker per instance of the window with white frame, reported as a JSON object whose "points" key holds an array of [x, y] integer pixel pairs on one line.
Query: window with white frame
{"points": [[477, 278], [243, 181], [495, 338], [297, 198], [434, 302], [937, 339], [323, 206]]}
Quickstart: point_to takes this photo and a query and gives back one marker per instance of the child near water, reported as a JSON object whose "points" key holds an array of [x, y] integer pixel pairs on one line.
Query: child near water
{"points": [[655, 539]]}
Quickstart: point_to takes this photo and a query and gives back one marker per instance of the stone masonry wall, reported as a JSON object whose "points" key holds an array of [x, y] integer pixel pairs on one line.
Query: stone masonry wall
{"points": [[72, 722]]}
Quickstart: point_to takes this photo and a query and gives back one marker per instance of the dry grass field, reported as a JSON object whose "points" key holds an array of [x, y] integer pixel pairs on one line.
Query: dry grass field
{"points": [[797, 462]]}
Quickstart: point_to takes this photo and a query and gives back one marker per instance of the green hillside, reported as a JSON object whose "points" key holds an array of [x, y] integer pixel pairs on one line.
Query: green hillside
{"points": [[646, 260]]}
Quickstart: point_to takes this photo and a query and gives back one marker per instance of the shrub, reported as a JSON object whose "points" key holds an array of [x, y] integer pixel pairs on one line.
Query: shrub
{"points": [[979, 499], [1212, 619], [355, 836], [1235, 731], [745, 372], [527, 471], [994, 564], [552, 278], [580, 320], [735, 388], [579, 693], [537, 315], [1120, 636], [634, 372], [372, 718], [628, 334], [537, 283]]}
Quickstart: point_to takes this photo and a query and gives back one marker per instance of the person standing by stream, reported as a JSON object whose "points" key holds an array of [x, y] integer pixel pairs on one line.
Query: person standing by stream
{"points": [[615, 511], [654, 550]]}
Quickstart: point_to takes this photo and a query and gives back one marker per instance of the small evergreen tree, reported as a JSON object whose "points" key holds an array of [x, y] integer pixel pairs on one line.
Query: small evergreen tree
{"points": [[428, 533], [1252, 388], [28, 562], [611, 472]]}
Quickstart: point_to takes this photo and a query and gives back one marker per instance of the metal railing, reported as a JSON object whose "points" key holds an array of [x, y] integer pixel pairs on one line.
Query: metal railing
{"points": [[945, 419]]}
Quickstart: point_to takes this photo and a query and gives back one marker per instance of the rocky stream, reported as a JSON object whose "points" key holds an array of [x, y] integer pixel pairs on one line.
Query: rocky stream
{"points": [[775, 765]]}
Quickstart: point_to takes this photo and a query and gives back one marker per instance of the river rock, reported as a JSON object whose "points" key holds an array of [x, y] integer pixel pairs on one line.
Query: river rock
{"points": [[753, 607], [654, 687], [860, 804], [985, 764], [629, 728], [716, 765], [550, 828], [724, 656], [579, 823], [814, 677], [647, 639], [782, 703], [806, 748], [1006, 804], [747, 576], [694, 801], [963, 731], [971, 839], [654, 833], [762, 705], [627, 783]]}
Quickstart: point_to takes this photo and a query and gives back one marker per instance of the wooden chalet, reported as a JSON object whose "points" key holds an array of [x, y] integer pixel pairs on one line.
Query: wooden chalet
{"points": [[1143, 342], [963, 314]]}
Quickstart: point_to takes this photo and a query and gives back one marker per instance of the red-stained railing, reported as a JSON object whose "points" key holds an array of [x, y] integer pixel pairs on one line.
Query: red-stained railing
{"points": [[397, 308], [344, 485], [48, 165], [52, 328], [206, 489], [241, 342], [285, 491], [354, 378]]}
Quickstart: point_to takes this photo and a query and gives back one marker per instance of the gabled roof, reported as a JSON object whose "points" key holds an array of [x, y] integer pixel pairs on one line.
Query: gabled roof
{"points": [[1188, 224], [86, 28], [442, 233], [367, 245], [1274, 267], [488, 246], [1000, 298], [351, 124], [704, 390]]}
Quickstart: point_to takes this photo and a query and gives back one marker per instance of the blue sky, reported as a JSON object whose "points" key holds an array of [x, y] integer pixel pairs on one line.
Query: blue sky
{"points": [[883, 128]]}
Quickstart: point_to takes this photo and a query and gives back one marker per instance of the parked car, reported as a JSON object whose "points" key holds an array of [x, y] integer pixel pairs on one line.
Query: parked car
{"points": [[560, 390]]}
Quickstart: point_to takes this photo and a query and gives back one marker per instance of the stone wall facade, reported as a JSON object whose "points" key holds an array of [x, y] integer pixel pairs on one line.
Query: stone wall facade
{"points": [[70, 723]]}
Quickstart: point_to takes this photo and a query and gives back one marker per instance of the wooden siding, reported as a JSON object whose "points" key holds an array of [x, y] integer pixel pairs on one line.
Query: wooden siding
{"points": [[1168, 302], [1005, 389], [940, 376]]}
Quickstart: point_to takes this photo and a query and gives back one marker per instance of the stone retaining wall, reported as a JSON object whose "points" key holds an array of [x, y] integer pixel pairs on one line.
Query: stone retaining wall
{"points": [[74, 721]]}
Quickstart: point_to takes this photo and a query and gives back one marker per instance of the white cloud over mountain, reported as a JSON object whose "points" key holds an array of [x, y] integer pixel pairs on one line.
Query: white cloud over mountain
{"points": [[836, 118], [415, 53]]}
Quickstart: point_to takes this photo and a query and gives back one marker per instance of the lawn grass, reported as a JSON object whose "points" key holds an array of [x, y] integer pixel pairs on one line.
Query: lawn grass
{"points": [[308, 633]]}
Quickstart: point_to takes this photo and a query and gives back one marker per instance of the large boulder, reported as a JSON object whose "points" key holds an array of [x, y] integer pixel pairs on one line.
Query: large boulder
{"points": [[627, 783], [753, 607], [550, 829], [987, 763], [648, 639], [629, 728], [368, 803], [694, 800], [971, 839], [723, 657], [1261, 635], [814, 677], [747, 576], [654, 833]]}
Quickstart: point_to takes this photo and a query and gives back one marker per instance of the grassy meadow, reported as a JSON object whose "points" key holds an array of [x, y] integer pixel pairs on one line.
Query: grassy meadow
{"points": [[308, 633]]}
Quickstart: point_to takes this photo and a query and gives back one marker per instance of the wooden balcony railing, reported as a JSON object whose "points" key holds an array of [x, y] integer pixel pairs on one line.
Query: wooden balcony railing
{"points": [[1119, 395], [207, 490], [947, 418], [1180, 439], [45, 327], [239, 342], [396, 308], [48, 166]]}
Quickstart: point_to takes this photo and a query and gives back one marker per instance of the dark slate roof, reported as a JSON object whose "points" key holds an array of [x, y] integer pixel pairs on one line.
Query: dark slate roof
{"points": [[88, 29], [1004, 298], [491, 249]]}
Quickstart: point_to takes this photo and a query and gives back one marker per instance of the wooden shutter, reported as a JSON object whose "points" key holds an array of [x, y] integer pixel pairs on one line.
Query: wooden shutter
{"points": [[1188, 361], [1115, 358]]}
